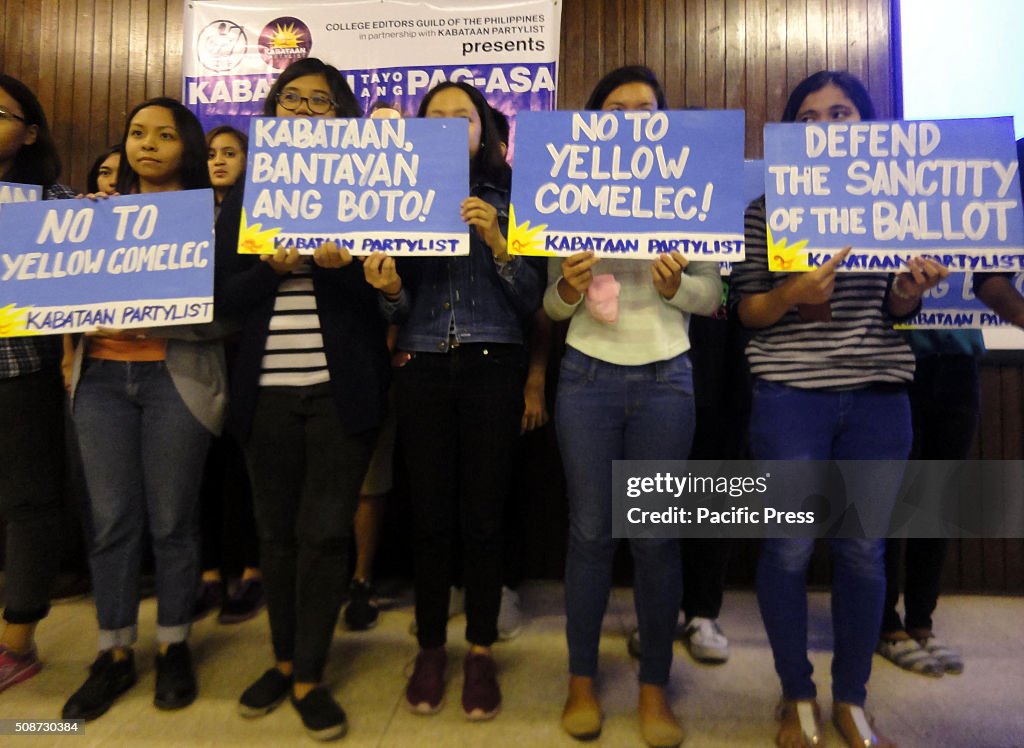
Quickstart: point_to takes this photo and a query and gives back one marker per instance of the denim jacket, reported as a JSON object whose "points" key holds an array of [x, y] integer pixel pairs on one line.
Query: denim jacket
{"points": [[490, 302]]}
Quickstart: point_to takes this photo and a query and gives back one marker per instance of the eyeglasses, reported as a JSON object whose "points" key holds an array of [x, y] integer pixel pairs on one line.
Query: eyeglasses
{"points": [[317, 103], [9, 115]]}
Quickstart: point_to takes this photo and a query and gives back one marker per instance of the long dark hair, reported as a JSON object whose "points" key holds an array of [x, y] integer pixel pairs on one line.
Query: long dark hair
{"points": [[194, 172], [92, 180], [849, 84], [488, 165], [38, 162], [345, 104], [620, 77]]}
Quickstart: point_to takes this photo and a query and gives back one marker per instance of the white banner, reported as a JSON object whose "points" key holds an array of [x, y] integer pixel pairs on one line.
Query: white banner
{"points": [[388, 50]]}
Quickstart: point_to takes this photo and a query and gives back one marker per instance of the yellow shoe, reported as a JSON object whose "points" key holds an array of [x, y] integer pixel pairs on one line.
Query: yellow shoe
{"points": [[799, 723]]}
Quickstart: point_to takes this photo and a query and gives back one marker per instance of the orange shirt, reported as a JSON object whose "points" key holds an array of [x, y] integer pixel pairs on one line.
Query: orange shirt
{"points": [[153, 349]]}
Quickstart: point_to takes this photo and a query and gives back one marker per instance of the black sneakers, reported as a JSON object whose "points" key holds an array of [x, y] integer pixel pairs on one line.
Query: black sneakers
{"points": [[175, 681], [107, 680], [361, 613], [244, 604], [263, 696], [321, 715]]}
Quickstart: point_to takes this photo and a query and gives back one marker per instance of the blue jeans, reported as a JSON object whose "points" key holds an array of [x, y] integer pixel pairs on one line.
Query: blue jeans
{"points": [[787, 423], [143, 453], [606, 412]]}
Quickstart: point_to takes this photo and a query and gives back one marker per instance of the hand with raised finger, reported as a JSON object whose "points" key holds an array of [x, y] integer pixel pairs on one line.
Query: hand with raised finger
{"points": [[815, 286], [667, 273], [331, 256]]}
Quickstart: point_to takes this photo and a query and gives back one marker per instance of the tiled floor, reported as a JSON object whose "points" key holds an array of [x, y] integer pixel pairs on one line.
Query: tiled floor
{"points": [[721, 706]]}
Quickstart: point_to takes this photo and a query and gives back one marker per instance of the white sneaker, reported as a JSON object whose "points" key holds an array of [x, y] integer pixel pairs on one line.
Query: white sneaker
{"points": [[705, 641], [510, 616]]}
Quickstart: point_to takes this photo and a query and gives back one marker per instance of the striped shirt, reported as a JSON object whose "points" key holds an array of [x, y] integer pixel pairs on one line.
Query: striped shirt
{"points": [[21, 356], [294, 354], [857, 348]]}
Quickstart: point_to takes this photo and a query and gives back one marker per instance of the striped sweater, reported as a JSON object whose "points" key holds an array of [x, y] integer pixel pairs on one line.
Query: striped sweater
{"points": [[294, 354], [857, 348]]}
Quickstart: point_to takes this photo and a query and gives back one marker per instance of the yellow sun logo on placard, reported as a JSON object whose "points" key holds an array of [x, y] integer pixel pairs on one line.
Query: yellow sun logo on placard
{"points": [[783, 256], [253, 240], [13, 321], [524, 239], [286, 37]]}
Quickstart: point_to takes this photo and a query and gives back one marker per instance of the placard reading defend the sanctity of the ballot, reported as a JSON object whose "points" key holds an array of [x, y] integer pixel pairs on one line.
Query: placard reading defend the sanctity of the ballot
{"points": [[369, 185], [123, 262], [947, 189], [629, 184]]}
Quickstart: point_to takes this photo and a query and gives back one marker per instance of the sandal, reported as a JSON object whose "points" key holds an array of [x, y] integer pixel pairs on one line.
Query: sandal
{"points": [[857, 728], [800, 723], [910, 655], [946, 656]]}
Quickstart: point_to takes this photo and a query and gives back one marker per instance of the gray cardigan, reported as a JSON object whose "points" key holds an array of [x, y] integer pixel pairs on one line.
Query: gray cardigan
{"points": [[195, 361]]}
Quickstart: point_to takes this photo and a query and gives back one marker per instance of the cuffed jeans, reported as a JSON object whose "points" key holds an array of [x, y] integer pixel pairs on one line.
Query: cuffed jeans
{"points": [[143, 453], [306, 472], [787, 423], [606, 412], [458, 420], [31, 469]]}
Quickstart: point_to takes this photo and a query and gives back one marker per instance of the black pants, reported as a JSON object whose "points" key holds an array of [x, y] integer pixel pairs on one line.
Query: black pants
{"points": [[31, 476], [458, 418], [228, 528], [306, 472], [944, 402]]}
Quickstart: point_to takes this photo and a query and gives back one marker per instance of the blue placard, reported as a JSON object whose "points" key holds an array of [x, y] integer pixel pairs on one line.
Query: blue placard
{"points": [[12, 192], [629, 184], [947, 189], [952, 305], [753, 188], [370, 185], [124, 262]]}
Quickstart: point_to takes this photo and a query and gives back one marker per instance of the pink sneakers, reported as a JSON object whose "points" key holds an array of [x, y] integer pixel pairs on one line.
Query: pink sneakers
{"points": [[15, 668]]}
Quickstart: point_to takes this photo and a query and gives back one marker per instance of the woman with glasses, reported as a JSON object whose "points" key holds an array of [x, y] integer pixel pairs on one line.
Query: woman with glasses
{"points": [[307, 398]]}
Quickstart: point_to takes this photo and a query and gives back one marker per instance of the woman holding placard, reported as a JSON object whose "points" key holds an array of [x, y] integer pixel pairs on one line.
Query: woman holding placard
{"points": [[459, 390], [625, 392], [145, 404], [226, 496], [830, 383], [32, 402], [308, 395]]}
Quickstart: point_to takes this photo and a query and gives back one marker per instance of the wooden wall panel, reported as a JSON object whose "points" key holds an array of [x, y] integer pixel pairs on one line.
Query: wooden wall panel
{"points": [[91, 61]]}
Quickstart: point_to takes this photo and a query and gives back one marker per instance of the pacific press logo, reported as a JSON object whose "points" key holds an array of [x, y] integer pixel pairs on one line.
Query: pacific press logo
{"points": [[283, 41]]}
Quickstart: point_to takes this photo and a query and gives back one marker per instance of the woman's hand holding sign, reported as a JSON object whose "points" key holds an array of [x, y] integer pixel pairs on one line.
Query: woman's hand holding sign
{"points": [[921, 274], [667, 273], [283, 262], [382, 273], [815, 286], [483, 216], [811, 288], [330, 256], [576, 276]]}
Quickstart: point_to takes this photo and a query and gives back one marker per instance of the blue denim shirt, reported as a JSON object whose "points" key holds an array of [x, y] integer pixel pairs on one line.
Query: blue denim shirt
{"points": [[471, 297]]}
